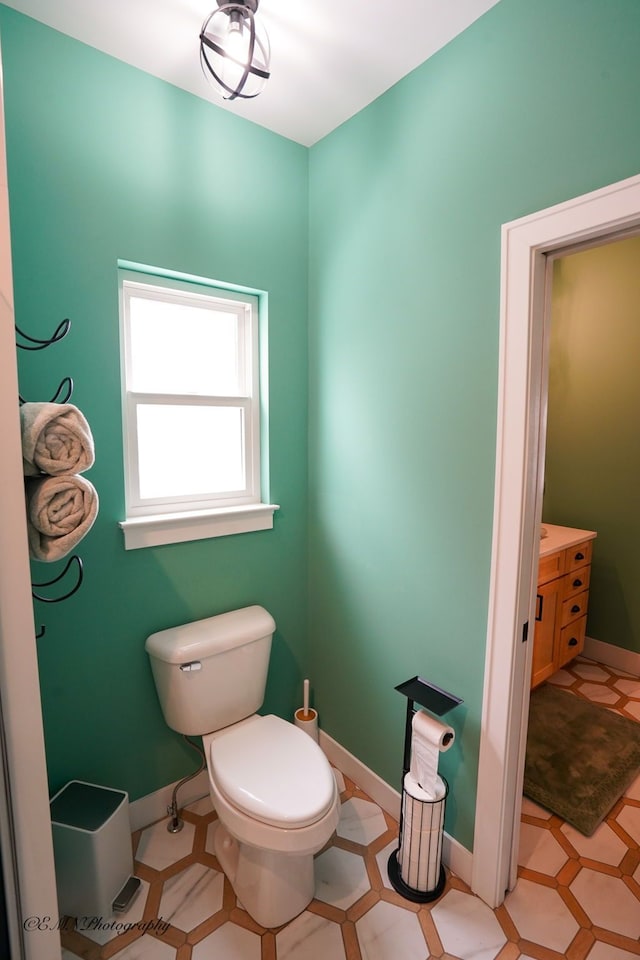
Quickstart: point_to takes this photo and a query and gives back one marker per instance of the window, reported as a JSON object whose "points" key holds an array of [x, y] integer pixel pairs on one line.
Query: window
{"points": [[191, 410]]}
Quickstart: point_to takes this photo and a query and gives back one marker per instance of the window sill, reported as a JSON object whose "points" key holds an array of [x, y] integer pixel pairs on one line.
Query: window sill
{"points": [[156, 530]]}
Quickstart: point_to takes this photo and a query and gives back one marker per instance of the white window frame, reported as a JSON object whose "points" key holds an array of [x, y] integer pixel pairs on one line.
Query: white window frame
{"points": [[152, 522]]}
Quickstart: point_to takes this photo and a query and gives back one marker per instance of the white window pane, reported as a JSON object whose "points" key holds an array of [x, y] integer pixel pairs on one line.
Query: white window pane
{"points": [[189, 450], [183, 348]]}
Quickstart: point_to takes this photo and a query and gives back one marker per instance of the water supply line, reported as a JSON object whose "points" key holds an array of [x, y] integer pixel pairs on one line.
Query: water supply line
{"points": [[175, 824]]}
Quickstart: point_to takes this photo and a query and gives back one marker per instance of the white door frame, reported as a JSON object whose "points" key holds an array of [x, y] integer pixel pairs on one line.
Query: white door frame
{"points": [[522, 394], [25, 819]]}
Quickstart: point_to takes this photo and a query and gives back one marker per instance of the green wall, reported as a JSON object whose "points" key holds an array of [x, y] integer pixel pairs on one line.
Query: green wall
{"points": [[593, 428], [106, 162], [533, 104]]}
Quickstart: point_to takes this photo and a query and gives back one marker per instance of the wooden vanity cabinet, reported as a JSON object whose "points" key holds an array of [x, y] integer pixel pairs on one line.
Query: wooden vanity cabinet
{"points": [[561, 609]]}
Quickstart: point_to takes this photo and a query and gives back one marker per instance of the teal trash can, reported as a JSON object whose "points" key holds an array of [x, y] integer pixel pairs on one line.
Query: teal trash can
{"points": [[92, 848]]}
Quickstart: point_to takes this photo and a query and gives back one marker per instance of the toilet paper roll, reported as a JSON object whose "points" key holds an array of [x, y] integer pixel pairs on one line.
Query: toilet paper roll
{"points": [[429, 738], [422, 874], [420, 853], [422, 811], [415, 790]]}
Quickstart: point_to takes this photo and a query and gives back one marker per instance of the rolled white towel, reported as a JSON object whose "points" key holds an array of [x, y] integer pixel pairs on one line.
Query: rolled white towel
{"points": [[56, 440], [60, 511]]}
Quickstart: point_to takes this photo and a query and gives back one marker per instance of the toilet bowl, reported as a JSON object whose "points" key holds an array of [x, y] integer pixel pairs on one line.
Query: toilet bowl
{"points": [[271, 784], [278, 805]]}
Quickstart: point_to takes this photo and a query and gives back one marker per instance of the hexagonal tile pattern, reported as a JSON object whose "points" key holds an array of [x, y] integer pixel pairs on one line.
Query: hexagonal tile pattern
{"points": [[541, 916], [382, 859], [603, 845], [341, 878], [468, 927], [598, 693], [604, 951], [186, 909], [229, 940], [387, 932], [629, 820], [562, 679], [633, 709], [148, 948], [309, 937], [540, 851], [629, 686], [159, 849], [191, 896], [590, 671], [361, 821], [608, 902], [633, 792], [202, 807]]}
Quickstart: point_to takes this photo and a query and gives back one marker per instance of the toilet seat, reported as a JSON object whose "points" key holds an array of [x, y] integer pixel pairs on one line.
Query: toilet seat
{"points": [[272, 771]]}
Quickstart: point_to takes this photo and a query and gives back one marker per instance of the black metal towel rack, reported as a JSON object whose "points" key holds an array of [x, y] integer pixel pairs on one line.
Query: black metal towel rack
{"points": [[62, 395]]}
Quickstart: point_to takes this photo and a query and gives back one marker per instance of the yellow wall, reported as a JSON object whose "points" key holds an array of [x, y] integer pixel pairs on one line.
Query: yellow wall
{"points": [[592, 477]]}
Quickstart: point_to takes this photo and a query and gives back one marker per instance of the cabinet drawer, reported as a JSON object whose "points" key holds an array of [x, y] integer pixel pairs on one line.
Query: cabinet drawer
{"points": [[571, 641], [578, 556], [574, 607], [551, 567], [577, 581]]}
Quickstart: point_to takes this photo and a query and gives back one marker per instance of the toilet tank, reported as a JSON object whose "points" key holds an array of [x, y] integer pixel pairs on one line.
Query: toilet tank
{"points": [[212, 673]]}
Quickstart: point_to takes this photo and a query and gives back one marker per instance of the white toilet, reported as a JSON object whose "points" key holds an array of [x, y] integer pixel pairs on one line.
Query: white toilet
{"points": [[271, 784]]}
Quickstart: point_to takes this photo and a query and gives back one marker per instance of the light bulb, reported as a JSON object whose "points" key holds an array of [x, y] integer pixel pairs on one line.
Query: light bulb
{"points": [[234, 41]]}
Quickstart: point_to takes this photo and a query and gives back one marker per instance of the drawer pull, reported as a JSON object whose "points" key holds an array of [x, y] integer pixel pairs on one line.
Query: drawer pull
{"points": [[575, 608], [573, 642], [579, 556], [577, 583], [540, 599]]}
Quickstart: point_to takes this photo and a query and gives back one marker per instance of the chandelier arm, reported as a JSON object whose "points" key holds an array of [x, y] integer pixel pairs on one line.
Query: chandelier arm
{"points": [[258, 71], [214, 74], [218, 78]]}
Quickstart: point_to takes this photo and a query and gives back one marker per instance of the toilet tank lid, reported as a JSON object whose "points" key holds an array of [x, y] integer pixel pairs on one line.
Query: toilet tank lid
{"points": [[205, 638]]}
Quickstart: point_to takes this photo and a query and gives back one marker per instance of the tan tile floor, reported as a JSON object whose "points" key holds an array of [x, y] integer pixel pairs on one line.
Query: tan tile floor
{"points": [[577, 898]]}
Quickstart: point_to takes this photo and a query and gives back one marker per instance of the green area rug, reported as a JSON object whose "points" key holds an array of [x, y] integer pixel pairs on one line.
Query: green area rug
{"points": [[580, 758]]}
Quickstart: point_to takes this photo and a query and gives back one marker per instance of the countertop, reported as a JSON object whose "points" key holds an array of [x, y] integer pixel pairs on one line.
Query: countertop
{"points": [[558, 538]]}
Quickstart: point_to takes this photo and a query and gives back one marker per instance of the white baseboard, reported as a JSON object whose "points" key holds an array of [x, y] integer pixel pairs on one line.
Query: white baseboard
{"points": [[612, 656], [373, 785], [454, 855], [153, 806]]}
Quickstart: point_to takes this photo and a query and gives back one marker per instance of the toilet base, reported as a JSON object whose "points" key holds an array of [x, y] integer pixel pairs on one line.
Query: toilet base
{"points": [[272, 887]]}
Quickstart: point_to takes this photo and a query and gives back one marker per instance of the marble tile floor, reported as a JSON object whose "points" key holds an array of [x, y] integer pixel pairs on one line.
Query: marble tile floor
{"points": [[577, 898]]}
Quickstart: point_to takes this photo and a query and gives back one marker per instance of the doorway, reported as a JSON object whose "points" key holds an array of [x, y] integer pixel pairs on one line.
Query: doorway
{"points": [[527, 245], [592, 458]]}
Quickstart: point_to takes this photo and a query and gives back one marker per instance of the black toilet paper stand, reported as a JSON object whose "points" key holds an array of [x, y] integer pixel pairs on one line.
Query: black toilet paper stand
{"points": [[439, 702]]}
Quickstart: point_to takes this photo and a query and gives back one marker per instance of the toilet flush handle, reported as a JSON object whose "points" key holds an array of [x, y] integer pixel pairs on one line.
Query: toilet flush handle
{"points": [[191, 666]]}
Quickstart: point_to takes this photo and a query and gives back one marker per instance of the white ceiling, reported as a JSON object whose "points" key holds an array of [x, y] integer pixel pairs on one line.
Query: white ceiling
{"points": [[329, 58]]}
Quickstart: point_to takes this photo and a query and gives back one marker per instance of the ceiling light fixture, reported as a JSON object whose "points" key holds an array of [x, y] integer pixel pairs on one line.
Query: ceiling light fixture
{"points": [[234, 50]]}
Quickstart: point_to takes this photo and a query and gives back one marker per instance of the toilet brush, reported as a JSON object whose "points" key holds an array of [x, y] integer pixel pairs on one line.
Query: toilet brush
{"points": [[305, 717]]}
